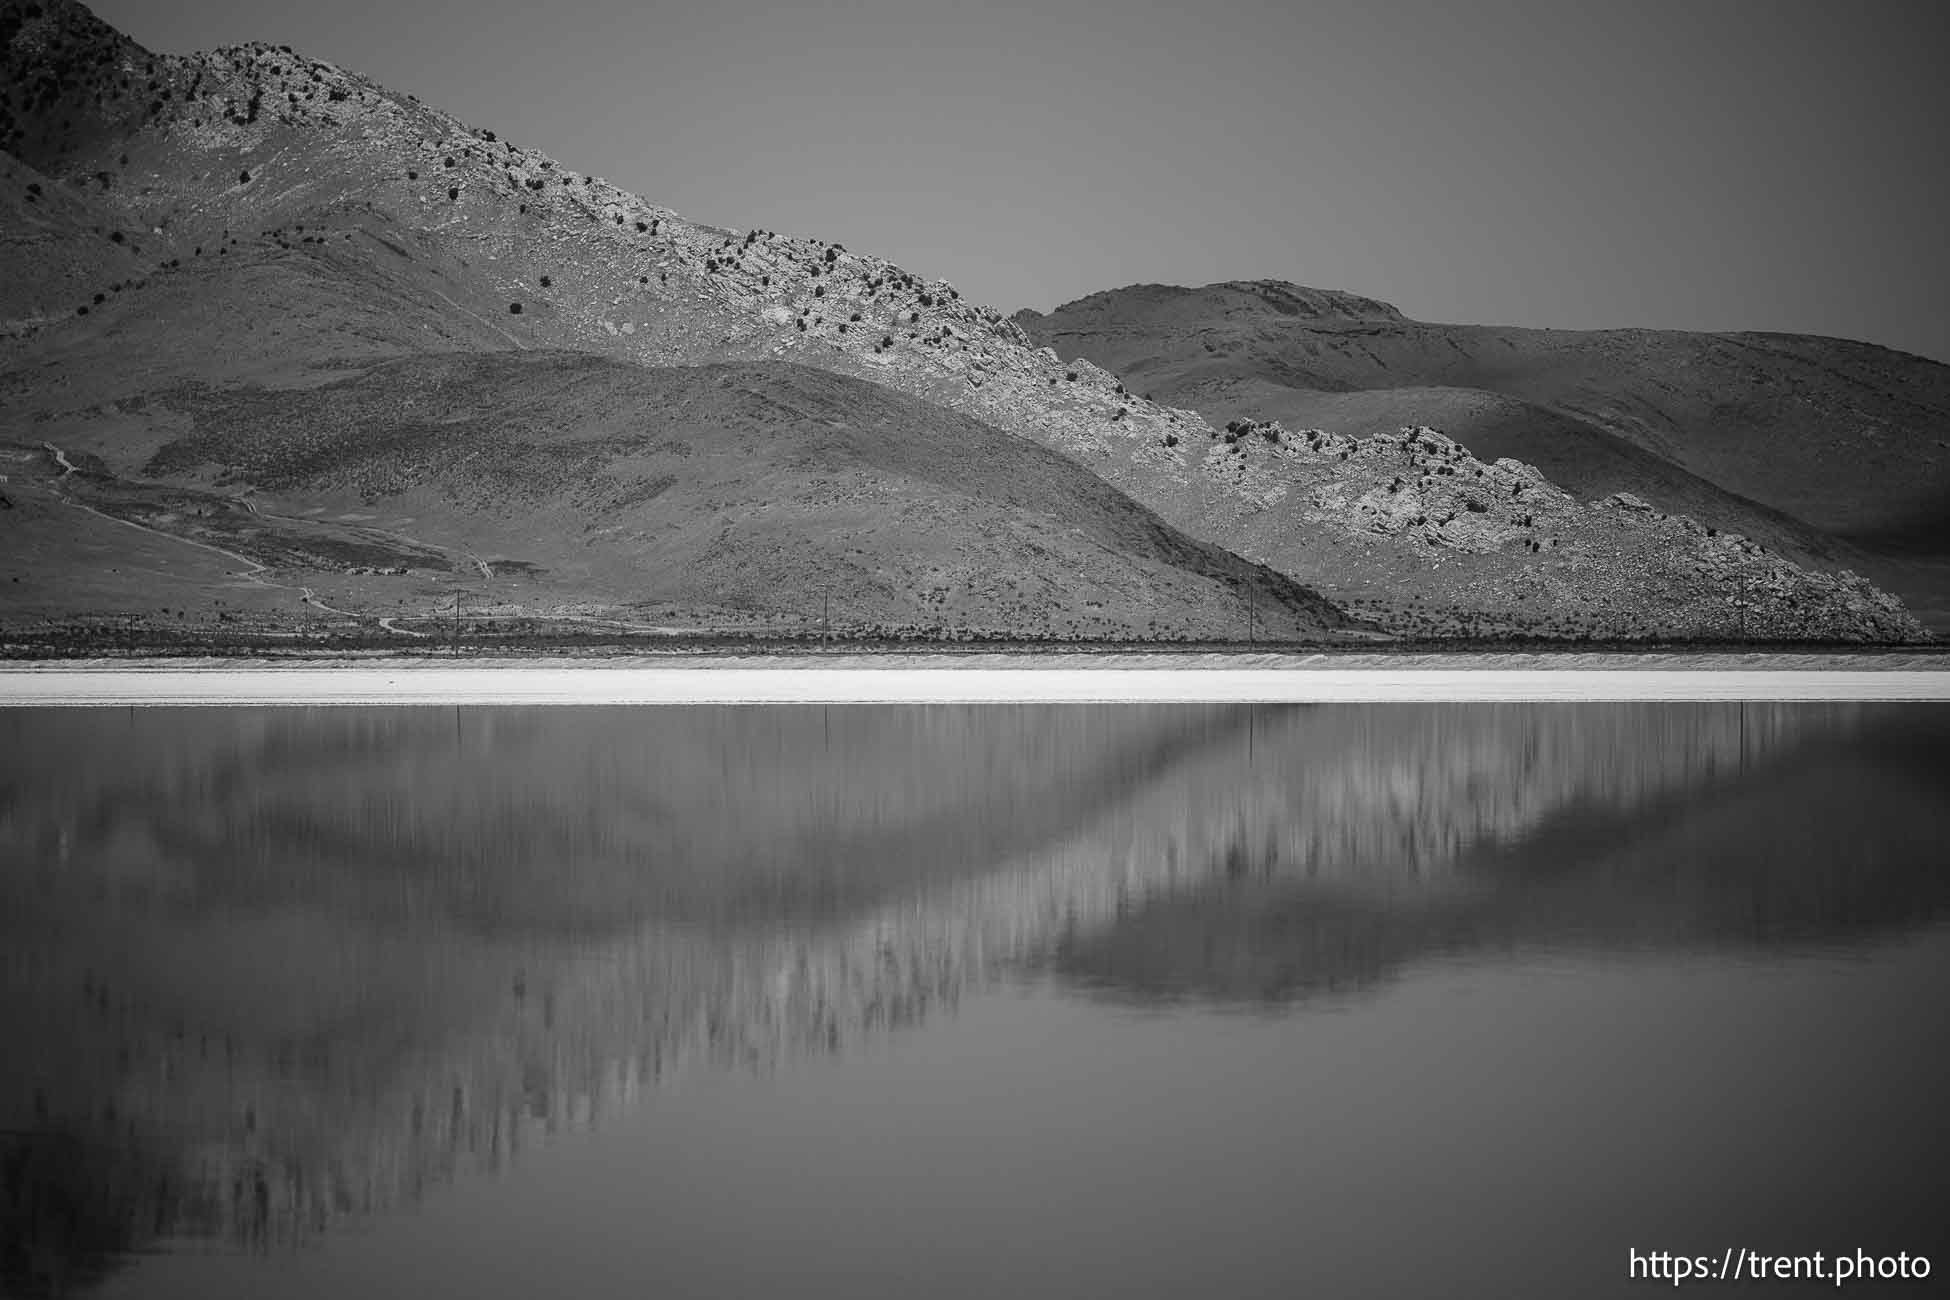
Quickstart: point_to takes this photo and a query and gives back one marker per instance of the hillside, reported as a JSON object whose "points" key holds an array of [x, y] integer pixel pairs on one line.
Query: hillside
{"points": [[1831, 452], [550, 484], [288, 223]]}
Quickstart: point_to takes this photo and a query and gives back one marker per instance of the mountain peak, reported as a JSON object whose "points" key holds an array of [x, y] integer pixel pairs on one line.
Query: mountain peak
{"points": [[1297, 300], [1225, 300], [64, 64]]}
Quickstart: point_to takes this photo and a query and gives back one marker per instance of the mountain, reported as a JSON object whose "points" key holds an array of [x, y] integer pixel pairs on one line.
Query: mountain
{"points": [[351, 400], [1827, 451], [259, 223]]}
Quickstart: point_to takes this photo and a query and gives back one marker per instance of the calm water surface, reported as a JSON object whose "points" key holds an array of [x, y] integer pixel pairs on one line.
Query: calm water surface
{"points": [[967, 1000]]}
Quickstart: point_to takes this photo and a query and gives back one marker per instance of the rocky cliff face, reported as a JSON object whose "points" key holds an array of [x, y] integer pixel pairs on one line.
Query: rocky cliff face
{"points": [[258, 177]]}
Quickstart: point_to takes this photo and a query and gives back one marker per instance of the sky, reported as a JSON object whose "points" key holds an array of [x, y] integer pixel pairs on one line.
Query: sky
{"points": [[1684, 164]]}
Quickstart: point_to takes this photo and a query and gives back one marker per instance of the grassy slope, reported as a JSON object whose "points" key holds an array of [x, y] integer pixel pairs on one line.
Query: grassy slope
{"points": [[764, 489]]}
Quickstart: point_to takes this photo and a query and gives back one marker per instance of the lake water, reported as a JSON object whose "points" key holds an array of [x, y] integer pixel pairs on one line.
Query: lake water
{"points": [[967, 1000]]}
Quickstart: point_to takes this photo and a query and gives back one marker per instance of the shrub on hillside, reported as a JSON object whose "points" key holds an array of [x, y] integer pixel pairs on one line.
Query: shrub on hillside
{"points": [[453, 192], [243, 178], [514, 308]]}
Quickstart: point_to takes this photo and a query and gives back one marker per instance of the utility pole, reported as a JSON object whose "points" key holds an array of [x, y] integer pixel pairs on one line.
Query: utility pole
{"points": [[456, 622]]}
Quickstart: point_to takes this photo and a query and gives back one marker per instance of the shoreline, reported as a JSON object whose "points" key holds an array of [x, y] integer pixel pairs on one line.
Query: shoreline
{"points": [[897, 677]]}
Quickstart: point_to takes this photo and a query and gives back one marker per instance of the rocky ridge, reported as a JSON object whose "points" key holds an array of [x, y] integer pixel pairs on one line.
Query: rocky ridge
{"points": [[275, 159]]}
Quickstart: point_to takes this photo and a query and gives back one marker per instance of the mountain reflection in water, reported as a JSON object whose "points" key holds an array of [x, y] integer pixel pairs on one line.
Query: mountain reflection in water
{"points": [[270, 969]]}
